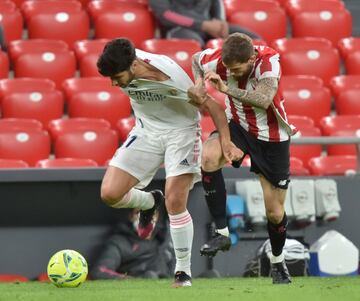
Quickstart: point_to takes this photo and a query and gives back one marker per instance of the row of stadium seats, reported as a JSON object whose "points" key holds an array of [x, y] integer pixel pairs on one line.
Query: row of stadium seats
{"points": [[54, 60], [56, 19]]}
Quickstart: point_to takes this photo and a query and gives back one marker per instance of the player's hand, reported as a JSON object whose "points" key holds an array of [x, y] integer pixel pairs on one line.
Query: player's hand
{"points": [[231, 152], [197, 93], [216, 81]]}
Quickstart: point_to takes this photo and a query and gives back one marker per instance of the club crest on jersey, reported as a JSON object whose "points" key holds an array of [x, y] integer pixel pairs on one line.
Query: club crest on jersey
{"points": [[173, 91]]}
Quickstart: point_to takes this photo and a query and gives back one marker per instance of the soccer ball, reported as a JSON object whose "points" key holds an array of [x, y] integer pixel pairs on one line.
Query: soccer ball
{"points": [[67, 268]]}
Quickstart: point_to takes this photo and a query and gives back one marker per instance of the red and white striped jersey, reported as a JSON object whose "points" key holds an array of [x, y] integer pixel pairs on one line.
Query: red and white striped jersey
{"points": [[268, 125]]}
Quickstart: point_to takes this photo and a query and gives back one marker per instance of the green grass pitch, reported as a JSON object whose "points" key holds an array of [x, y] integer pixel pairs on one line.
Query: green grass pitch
{"points": [[219, 289]]}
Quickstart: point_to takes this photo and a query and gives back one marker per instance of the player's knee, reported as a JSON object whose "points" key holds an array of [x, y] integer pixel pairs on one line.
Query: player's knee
{"points": [[275, 215], [175, 202], [209, 162], [109, 196]]}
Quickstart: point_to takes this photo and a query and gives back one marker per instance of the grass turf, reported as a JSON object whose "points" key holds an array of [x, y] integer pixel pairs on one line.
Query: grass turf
{"points": [[239, 289]]}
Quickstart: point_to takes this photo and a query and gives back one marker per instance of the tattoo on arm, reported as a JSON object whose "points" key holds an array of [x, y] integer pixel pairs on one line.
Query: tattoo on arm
{"points": [[261, 97], [196, 68]]}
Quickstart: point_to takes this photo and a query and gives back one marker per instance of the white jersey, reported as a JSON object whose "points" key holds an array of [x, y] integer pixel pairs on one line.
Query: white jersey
{"points": [[162, 105]]}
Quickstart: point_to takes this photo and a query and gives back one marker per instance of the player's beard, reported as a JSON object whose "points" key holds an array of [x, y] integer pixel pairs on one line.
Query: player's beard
{"points": [[131, 76]]}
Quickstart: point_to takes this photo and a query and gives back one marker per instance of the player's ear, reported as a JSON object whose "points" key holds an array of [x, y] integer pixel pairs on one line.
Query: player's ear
{"points": [[133, 66]]}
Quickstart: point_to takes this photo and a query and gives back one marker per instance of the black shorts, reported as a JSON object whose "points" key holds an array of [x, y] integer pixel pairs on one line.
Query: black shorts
{"points": [[271, 159]]}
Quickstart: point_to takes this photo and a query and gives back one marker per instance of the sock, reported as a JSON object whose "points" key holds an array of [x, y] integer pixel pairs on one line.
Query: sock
{"points": [[136, 199], [223, 231], [276, 259], [215, 195], [182, 233], [277, 234]]}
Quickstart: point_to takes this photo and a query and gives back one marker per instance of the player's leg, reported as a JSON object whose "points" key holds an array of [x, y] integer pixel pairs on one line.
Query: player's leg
{"points": [[134, 164], [215, 195], [181, 225], [274, 198]]}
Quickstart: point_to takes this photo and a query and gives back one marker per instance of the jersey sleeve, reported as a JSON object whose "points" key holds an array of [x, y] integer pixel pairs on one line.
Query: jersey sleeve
{"points": [[209, 58], [269, 67]]}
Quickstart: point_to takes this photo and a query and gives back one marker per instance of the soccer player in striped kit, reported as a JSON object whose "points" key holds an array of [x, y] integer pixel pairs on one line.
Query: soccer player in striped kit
{"points": [[249, 76], [166, 131]]}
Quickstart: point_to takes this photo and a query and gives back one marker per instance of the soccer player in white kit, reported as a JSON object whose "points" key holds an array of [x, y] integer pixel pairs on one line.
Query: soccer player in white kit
{"points": [[166, 132]]}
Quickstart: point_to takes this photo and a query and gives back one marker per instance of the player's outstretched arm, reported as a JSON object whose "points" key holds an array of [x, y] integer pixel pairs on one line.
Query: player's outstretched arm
{"points": [[196, 68], [203, 101]]}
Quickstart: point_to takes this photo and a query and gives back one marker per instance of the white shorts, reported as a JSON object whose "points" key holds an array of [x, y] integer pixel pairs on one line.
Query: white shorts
{"points": [[143, 153]]}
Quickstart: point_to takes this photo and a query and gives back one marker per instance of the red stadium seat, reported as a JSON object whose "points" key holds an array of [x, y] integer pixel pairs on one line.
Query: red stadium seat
{"points": [[331, 24], [269, 24], [72, 86], [31, 8], [124, 126], [4, 65], [352, 63], [13, 278], [85, 47], [233, 6], [347, 102], [179, 50], [43, 277], [56, 66], [12, 23], [331, 124], [289, 82], [305, 152], [19, 85], [99, 145], [29, 146], [342, 83], [19, 47], [314, 103], [343, 149], [207, 127], [323, 63], [20, 124], [42, 106], [289, 44], [65, 26], [293, 7], [301, 121], [58, 127], [109, 106], [333, 165], [7, 6], [11, 163], [297, 167], [66, 163], [88, 67], [127, 20], [348, 46]]}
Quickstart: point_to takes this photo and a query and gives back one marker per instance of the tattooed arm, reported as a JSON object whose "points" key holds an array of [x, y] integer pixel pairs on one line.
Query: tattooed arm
{"points": [[196, 68], [261, 97]]}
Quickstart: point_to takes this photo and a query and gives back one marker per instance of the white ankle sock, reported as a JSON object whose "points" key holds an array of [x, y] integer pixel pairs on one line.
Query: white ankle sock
{"points": [[223, 231], [182, 233], [136, 199], [276, 259]]}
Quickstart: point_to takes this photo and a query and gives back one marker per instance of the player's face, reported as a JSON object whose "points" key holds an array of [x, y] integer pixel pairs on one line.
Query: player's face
{"points": [[122, 79], [240, 70]]}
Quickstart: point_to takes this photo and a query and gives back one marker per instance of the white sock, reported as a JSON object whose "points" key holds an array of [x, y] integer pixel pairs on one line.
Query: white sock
{"points": [[182, 233], [223, 231], [276, 259], [136, 199]]}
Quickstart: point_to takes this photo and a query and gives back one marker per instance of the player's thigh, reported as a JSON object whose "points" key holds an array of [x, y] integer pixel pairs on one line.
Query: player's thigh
{"points": [[177, 192], [140, 156], [116, 183]]}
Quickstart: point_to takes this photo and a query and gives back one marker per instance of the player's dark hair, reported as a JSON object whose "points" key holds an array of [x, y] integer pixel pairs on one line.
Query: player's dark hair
{"points": [[116, 57], [237, 48]]}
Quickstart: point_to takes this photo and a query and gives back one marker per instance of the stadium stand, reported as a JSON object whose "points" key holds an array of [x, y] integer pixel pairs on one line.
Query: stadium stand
{"points": [[342, 83], [29, 146], [20, 124], [233, 6], [13, 278], [58, 127], [12, 163], [333, 165], [98, 145], [12, 22], [180, 50], [65, 163], [124, 126], [42, 106]]}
